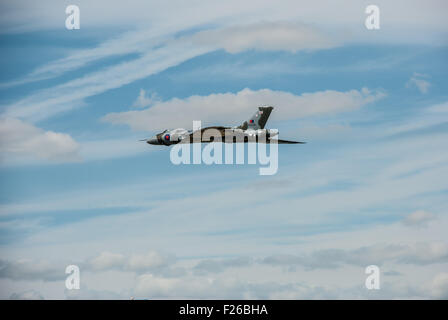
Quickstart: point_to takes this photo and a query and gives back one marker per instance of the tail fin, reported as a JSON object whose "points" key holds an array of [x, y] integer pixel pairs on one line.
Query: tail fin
{"points": [[258, 120]]}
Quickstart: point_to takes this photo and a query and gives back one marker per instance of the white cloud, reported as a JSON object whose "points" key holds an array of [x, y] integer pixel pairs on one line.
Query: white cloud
{"points": [[340, 273], [429, 117], [267, 27], [47, 270], [439, 286], [85, 293], [25, 269], [418, 81], [267, 36], [20, 140], [69, 95], [234, 108], [22, 143], [107, 260], [420, 19], [231, 287], [149, 285], [143, 100], [439, 108], [150, 261], [418, 218], [425, 253], [420, 254], [262, 36], [27, 295], [214, 266], [228, 287], [157, 53], [132, 42]]}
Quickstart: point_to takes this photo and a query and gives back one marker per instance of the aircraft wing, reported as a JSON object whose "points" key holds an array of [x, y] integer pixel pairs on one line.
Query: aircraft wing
{"points": [[206, 135], [280, 141]]}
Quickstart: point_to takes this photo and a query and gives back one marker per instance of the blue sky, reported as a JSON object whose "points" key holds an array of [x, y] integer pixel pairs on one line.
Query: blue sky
{"points": [[369, 187]]}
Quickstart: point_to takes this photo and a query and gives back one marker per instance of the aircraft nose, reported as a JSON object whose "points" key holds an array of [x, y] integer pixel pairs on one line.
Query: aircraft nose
{"points": [[152, 140]]}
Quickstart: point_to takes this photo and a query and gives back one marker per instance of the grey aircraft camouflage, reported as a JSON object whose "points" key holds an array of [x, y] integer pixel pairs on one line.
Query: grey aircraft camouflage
{"points": [[250, 131]]}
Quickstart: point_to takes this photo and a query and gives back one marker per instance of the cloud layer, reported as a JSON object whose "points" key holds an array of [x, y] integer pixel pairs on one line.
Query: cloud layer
{"points": [[161, 276], [233, 108], [266, 36]]}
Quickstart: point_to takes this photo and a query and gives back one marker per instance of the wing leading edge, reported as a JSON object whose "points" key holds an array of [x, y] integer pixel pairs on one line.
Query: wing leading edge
{"points": [[280, 141]]}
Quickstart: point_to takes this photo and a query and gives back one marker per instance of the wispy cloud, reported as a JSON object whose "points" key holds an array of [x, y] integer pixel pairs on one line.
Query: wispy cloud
{"points": [[266, 36], [420, 254], [418, 218], [144, 101], [418, 80], [169, 52], [48, 102]]}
